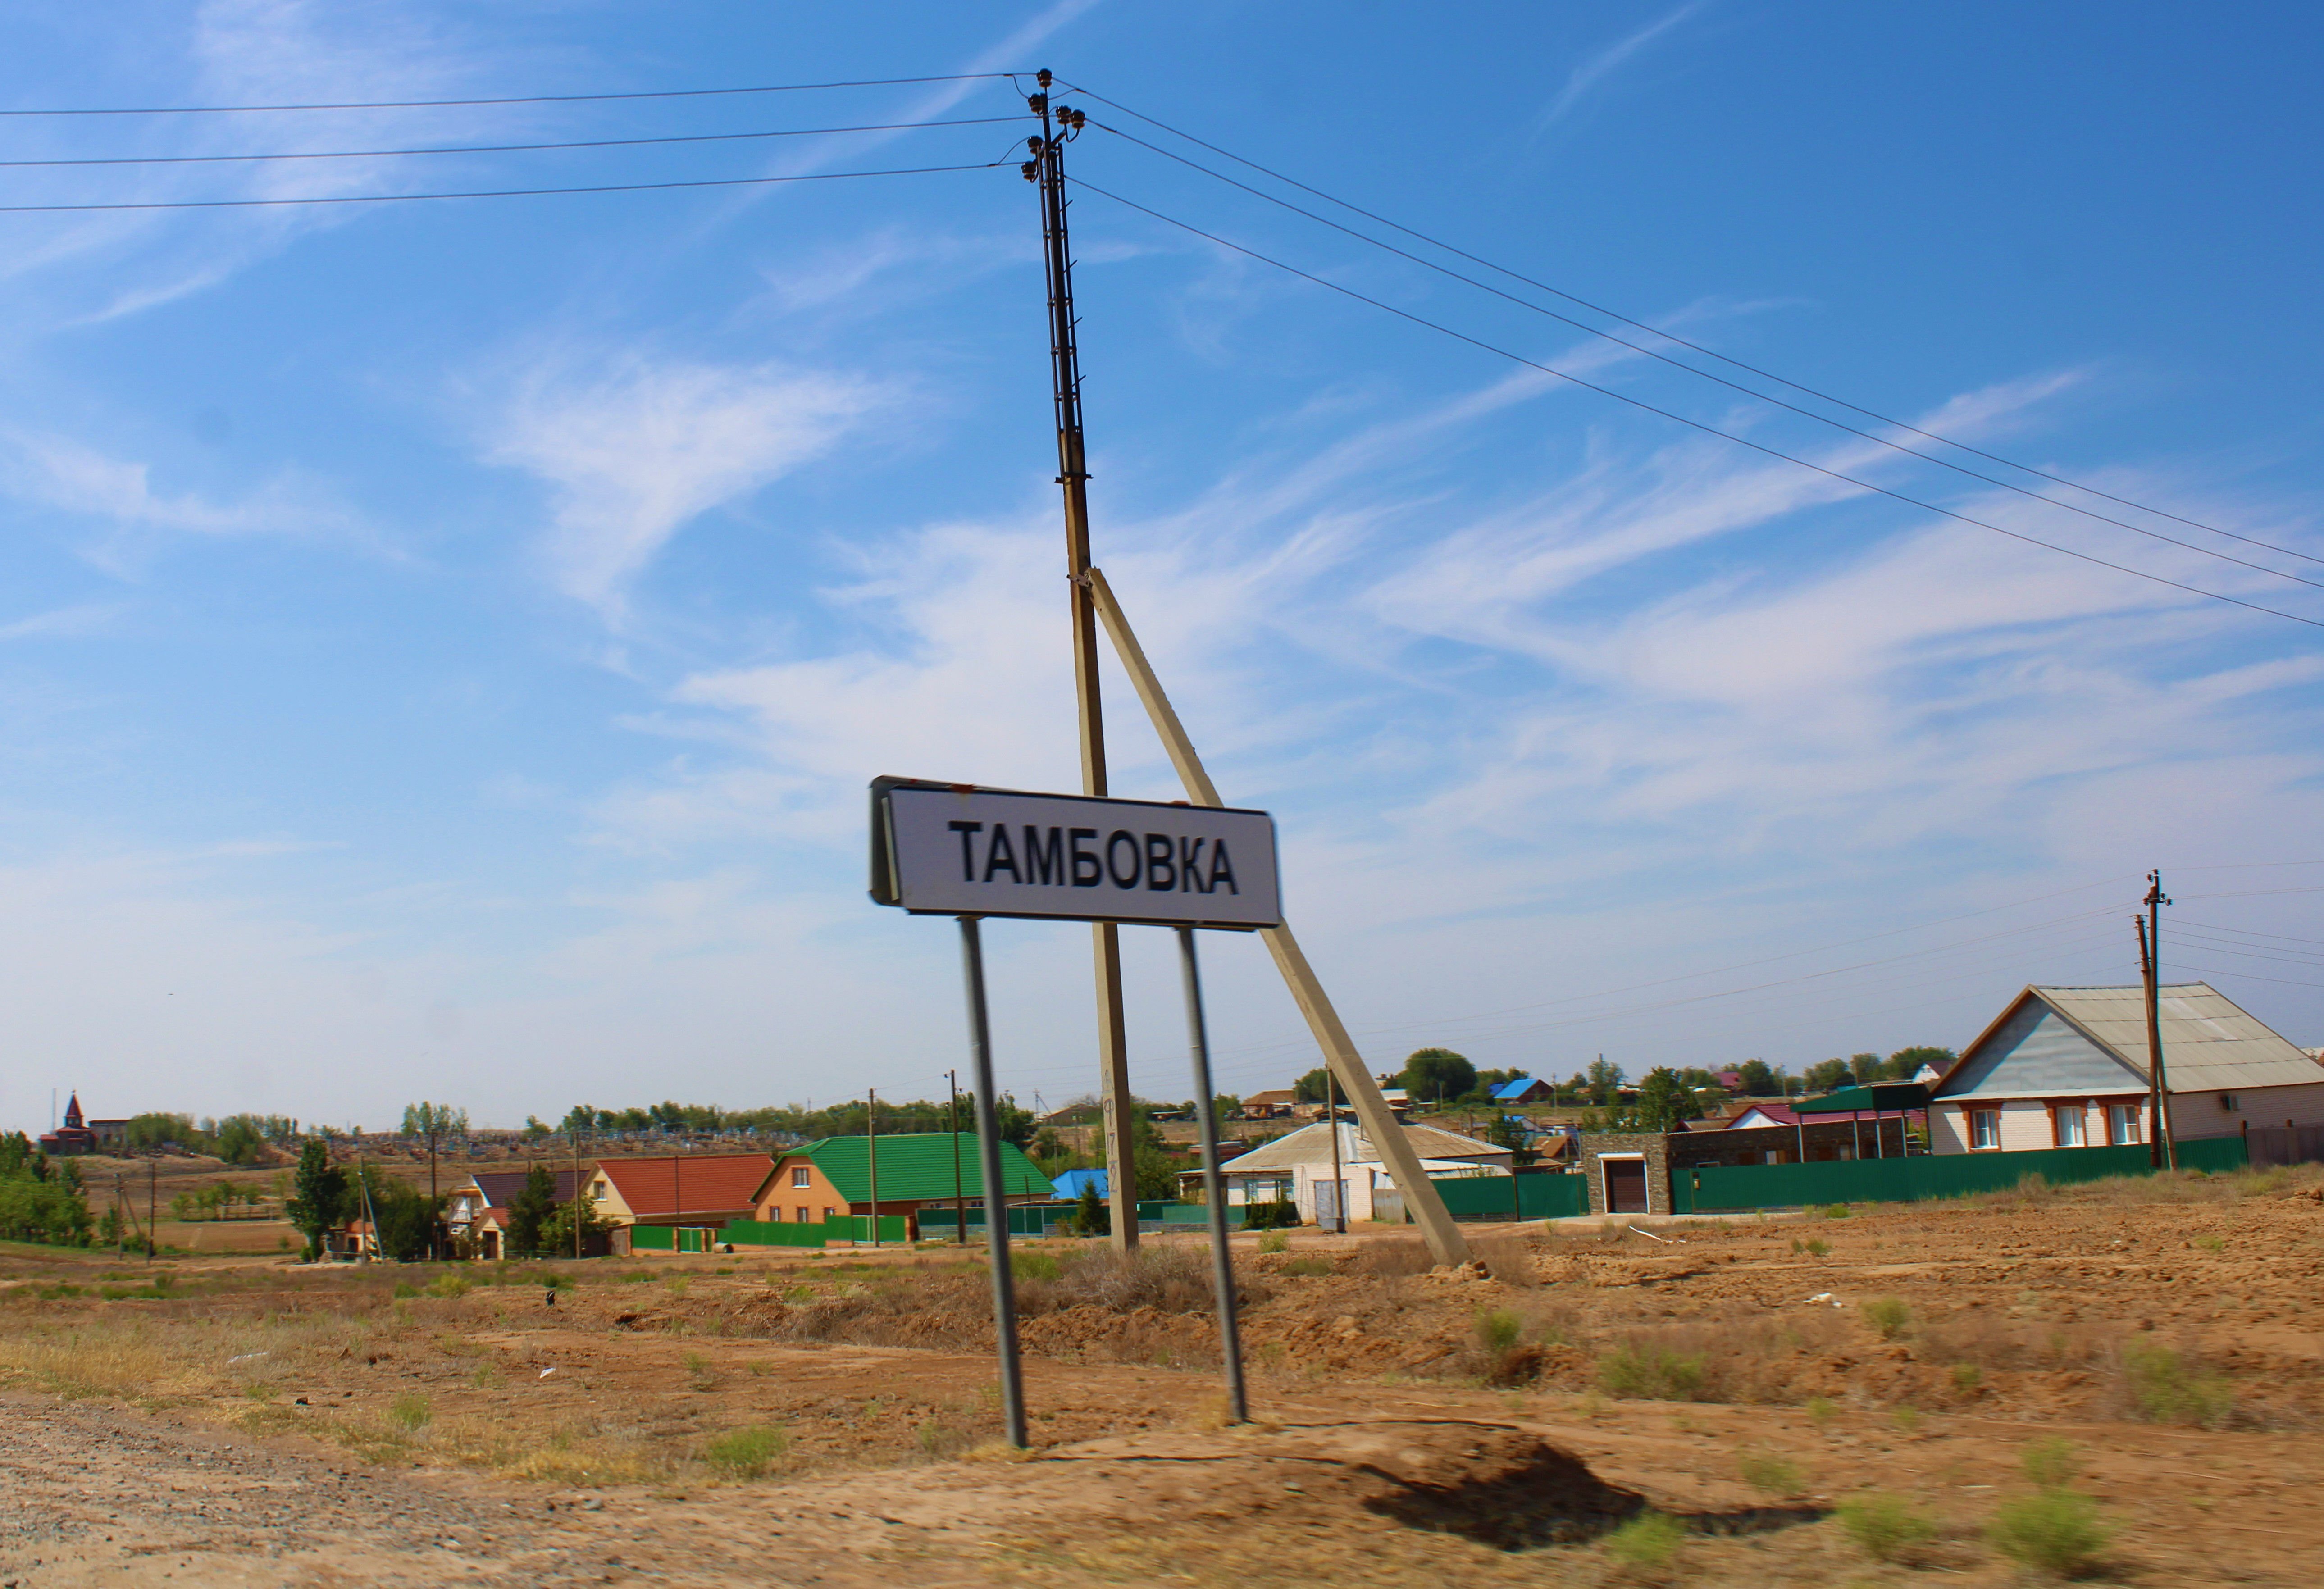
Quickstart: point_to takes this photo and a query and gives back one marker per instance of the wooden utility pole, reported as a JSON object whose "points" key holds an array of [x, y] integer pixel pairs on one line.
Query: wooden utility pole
{"points": [[120, 1221], [959, 1193], [1421, 1200], [152, 1200], [578, 1204], [1046, 169], [2150, 955]]}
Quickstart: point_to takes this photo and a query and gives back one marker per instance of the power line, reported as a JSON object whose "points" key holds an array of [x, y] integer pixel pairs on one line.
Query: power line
{"points": [[513, 99], [1806, 413], [915, 171], [1694, 347], [2246, 932], [974, 121], [1709, 429]]}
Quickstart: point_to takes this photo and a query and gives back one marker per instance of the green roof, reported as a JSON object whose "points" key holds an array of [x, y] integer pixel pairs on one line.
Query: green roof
{"points": [[917, 1166]]}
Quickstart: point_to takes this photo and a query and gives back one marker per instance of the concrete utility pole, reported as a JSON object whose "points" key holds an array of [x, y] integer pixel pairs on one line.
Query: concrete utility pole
{"points": [[1047, 168], [2149, 958]]}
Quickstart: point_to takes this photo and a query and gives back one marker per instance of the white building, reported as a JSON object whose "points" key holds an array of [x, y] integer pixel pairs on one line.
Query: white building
{"points": [[2067, 1068], [1298, 1166]]}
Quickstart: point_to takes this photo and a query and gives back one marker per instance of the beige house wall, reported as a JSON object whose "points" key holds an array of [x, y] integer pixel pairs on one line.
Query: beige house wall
{"points": [[2201, 1115]]}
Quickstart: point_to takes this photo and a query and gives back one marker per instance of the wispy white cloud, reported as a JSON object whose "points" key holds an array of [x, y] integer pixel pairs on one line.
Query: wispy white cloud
{"points": [[1595, 69], [636, 449]]}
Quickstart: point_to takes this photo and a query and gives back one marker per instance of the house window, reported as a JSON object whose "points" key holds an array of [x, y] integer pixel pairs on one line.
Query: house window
{"points": [[2066, 1123], [598, 1192], [801, 1176], [829, 1213], [2229, 1102], [2122, 1124], [1985, 1128], [798, 1215]]}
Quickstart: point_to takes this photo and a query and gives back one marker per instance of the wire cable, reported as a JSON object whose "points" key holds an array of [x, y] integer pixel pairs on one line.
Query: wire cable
{"points": [[1694, 347], [1708, 430], [973, 121], [964, 77], [914, 171], [1806, 413]]}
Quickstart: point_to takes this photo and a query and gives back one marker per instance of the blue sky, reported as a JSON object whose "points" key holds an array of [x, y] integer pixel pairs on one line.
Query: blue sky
{"points": [[446, 643]]}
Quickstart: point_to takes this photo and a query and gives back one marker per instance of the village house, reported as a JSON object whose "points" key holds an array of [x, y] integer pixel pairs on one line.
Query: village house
{"points": [[2067, 1068], [77, 1136], [1523, 1090], [1630, 1172], [1298, 1167], [821, 1181], [695, 1194], [477, 1210], [1268, 1104]]}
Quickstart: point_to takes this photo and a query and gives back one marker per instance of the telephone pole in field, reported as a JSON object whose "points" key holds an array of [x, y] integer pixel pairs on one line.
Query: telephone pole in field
{"points": [[1047, 170], [2164, 1152]]}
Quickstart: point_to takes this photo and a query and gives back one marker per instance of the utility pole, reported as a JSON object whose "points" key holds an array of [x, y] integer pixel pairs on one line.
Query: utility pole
{"points": [[2150, 955], [577, 1204], [871, 1149], [959, 1194], [1339, 1186], [1046, 169], [120, 1223], [152, 1201]]}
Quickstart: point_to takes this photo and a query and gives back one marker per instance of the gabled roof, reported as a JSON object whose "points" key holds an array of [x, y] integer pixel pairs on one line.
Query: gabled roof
{"points": [[1069, 1183], [914, 1167], [1309, 1145], [711, 1183], [2209, 1044], [1512, 1092], [500, 1187]]}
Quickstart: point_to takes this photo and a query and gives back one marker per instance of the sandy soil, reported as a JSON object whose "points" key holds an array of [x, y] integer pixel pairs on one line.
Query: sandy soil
{"points": [[257, 1424]]}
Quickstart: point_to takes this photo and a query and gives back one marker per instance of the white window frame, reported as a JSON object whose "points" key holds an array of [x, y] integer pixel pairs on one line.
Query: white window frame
{"points": [[802, 1177], [1984, 1124], [2125, 1124], [2070, 1119]]}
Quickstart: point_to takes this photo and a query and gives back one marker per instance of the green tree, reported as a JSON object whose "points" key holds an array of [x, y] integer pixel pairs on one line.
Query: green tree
{"points": [[1091, 1217], [434, 1121], [1507, 1131], [1826, 1074], [1605, 1083], [410, 1222], [557, 1230], [1864, 1067], [535, 1128], [1665, 1104], [529, 1210], [1904, 1062], [319, 1196], [241, 1139], [1758, 1078], [1312, 1087], [1430, 1073]]}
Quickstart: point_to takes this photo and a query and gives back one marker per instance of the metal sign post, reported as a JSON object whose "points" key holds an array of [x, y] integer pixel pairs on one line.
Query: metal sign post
{"points": [[1214, 1184], [996, 1205], [957, 850]]}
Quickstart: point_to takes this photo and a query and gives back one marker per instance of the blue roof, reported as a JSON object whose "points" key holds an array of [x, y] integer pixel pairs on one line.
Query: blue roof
{"points": [[1511, 1090], [1070, 1183]]}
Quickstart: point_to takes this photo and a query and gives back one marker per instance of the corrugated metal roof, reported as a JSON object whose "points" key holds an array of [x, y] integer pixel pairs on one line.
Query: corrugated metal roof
{"points": [[2209, 1044], [711, 1183], [1309, 1145], [500, 1187], [917, 1167]]}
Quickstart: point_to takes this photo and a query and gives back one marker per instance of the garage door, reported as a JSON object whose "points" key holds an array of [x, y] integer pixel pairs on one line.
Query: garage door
{"points": [[1626, 1185]]}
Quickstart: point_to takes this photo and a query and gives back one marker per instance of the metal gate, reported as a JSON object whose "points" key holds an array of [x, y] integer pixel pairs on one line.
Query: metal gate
{"points": [[1626, 1185], [2285, 1144]]}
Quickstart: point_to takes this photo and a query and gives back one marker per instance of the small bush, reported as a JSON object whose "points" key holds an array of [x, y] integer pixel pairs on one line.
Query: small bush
{"points": [[1907, 1420], [1647, 1544], [448, 1284], [1884, 1527], [1768, 1473], [1820, 1411], [1310, 1266], [2210, 1244], [1817, 1247], [1651, 1373], [1273, 1241], [2053, 1463], [406, 1289], [1033, 1266], [2165, 1390], [1887, 1315], [746, 1452], [1282, 1213], [1497, 1328], [410, 1411], [2052, 1531], [1967, 1376], [1837, 1211]]}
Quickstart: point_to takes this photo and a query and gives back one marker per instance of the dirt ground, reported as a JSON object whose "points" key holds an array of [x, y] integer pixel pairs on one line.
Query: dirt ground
{"points": [[1825, 1401]]}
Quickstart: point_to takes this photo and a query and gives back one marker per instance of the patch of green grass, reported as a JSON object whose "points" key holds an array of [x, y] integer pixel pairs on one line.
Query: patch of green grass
{"points": [[410, 1411], [1883, 1526], [1907, 1420], [1967, 1376], [1034, 1266], [1651, 1373], [2165, 1390], [1273, 1241], [1887, 1315], [406, 1289], [1837, 1211], [746, 1452], [1816, 1248], [448, 1284], [1821, 1412], [2053, 1463], [1768, 1473], [1498, 1329], [1310, 1266], [2210, 1244], [2052, 1531], [1648, 1543]]}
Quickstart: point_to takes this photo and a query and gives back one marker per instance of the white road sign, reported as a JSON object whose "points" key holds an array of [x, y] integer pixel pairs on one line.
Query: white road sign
{"points": [[957, 850]]}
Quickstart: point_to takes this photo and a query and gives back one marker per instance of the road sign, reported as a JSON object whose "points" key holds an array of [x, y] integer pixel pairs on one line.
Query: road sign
{"points": [[955, 849]]}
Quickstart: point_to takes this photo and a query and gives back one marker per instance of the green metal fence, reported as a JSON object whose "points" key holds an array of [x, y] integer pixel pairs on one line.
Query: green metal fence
{"points": [[759, 1233], [857, 1227], [1726, 1189], [1024, 1219], [1515, 1196]]}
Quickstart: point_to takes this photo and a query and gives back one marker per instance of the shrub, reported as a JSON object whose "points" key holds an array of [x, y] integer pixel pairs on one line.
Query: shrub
{"points": [[1310, 1266], [746, 1452], [2165, 1390], [1884, 1527], [2053, 1531], [448, 1284], [1646, 1543], [1651, 1373], [1836, 1211], [1497, 1328], [1820, 1411], [1966, 1376], [1033, 1266], [1817, 1247], [1273, 1241], [410, 1411], [1281, 1214], [1887, 1315], [2052, 1464], [406, 1289], [1768, 1473]]}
